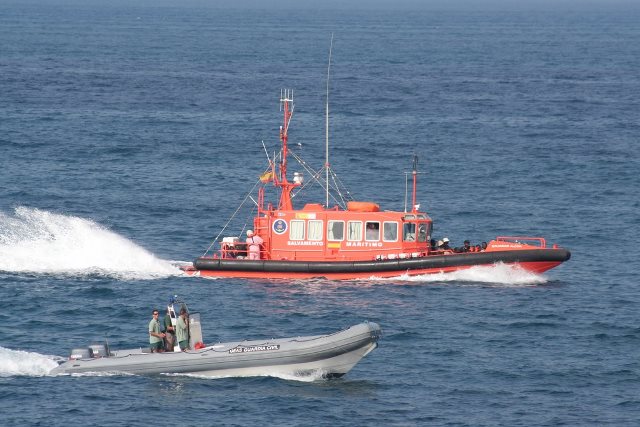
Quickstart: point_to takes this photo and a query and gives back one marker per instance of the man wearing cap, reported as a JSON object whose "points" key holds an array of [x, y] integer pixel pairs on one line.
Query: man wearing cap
{"points": [[253, 245], [445, 244]]}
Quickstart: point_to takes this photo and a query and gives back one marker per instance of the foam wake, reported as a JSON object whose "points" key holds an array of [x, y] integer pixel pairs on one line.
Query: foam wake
{"points": [[33, 240], [24, 363], [499, 274], [307, 377]]}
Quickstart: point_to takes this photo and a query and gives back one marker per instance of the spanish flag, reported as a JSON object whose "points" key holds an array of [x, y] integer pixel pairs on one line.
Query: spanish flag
{"points": [[266, 177]]}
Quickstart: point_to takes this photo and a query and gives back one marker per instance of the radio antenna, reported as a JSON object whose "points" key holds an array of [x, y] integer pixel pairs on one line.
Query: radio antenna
{"points": [[326, 153]]}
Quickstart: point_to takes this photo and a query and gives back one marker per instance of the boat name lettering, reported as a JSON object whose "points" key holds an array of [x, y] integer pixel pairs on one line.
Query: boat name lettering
{"points": [[364, 244], [255, 348], [304, 243]]}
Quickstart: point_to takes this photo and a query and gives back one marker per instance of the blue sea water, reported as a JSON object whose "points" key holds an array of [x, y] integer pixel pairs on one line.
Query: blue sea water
{"points": [[129, 135]]}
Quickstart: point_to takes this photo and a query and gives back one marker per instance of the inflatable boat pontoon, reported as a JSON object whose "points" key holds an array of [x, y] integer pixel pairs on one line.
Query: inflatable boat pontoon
{"points": [[326, 356]]}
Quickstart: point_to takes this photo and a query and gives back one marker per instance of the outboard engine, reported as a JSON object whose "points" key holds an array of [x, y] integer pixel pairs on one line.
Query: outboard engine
{"points": [[99, 350], [80, 353]]}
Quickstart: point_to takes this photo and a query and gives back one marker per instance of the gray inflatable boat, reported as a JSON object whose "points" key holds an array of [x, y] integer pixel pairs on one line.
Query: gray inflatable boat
{"points": [[326, 356]]}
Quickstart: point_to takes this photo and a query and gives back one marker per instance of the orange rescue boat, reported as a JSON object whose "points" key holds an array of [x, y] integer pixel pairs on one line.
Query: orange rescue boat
{"points": [[353, 239]]}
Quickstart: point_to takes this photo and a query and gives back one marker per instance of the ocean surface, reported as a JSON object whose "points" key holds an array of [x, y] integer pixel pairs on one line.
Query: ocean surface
{"points": [[129, 136]]}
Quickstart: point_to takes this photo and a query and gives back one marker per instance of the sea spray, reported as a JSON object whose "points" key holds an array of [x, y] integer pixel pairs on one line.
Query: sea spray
{"points": [[39, 241], [17, 362], [496, 274]]}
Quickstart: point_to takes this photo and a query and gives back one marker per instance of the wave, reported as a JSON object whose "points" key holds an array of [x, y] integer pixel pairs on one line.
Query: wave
{"points": [[498, 274], [24, 363], [38, 241]]}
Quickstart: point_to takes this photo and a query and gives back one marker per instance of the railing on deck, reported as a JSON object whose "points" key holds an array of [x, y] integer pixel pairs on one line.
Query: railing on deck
{"points": [[239, 252], [536, 241]]}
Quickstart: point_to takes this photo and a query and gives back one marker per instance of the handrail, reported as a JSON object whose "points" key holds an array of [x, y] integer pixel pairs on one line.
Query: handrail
{"points": [[523, 239]]}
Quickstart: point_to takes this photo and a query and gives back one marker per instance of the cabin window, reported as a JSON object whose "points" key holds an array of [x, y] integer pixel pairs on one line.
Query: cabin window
{"points": [[409, 217], [422, 232], [335, 231], [354, 230], [296, 230], [314, 231], [390, 231], [372, 231], [409, 232]]}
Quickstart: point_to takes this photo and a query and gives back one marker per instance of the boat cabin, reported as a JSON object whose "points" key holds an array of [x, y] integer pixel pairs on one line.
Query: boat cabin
{"points": [[359, 233]]}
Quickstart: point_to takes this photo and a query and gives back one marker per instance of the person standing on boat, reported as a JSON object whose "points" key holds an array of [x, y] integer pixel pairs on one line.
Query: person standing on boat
{"points": [[445, 245], [155, 336], [182, 330], [253, 245], [169, 332]]}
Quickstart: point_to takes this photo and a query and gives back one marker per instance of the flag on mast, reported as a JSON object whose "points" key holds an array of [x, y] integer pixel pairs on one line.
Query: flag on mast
{"points": [[266, 177]]}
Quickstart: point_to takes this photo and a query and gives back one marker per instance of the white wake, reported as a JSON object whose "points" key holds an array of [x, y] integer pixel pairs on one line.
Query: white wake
{"points": [[307, 377], [500, 274], [24, 363], [33, 240]]}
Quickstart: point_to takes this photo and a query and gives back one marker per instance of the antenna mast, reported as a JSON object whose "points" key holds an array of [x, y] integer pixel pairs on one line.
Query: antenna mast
{"points": [[286, 104], [326, 152], [414, 174]]}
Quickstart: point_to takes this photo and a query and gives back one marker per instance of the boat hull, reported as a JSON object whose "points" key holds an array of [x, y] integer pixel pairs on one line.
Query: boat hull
{"points": [[533, 260], [324, 355]]}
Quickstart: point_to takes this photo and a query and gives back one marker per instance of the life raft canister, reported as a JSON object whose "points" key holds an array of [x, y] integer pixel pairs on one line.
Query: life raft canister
{"points": [[363, 207], [313, 207]]}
